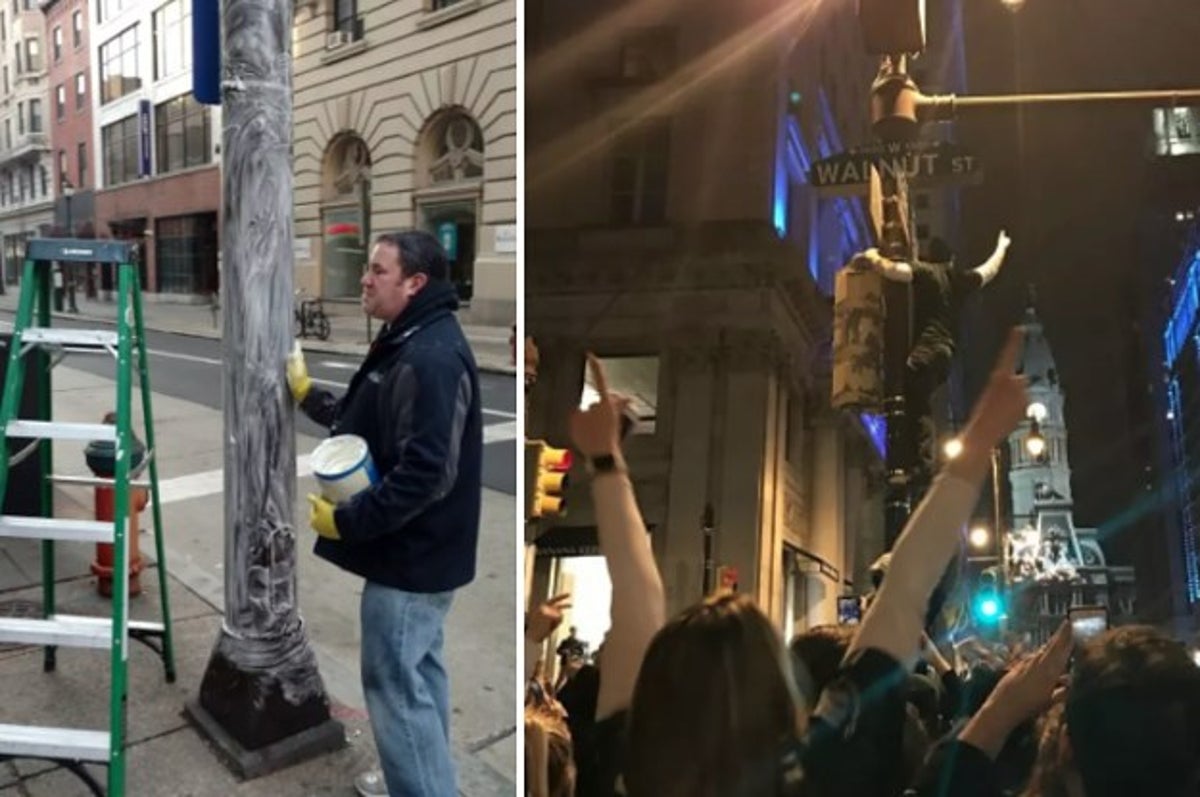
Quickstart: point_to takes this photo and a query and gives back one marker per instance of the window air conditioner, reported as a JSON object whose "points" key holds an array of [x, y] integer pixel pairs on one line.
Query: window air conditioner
{"points": [[337, 38]]}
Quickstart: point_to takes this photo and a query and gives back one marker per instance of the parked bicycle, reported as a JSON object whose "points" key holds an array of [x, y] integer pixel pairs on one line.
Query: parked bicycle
{"points": [[310, 320]]}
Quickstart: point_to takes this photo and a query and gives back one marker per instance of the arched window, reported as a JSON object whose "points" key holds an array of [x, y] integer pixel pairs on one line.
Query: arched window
{"points": [[345, 214], [450, 165]]}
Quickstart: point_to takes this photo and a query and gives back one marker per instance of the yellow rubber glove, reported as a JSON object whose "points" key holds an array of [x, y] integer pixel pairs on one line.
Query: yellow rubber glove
{"points": [[297, 373], [320, 517]]}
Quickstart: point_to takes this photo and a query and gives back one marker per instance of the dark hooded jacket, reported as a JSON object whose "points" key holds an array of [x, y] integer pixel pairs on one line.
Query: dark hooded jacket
{"points": [[415, 400]]}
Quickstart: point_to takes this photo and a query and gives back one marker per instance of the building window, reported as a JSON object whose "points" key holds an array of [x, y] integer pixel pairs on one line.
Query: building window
{"points": [[183, 134], [118, 66], [438, 5], [119, 146], [62, 169], [83, 164], [35, 116], [345, 18], [77, 29], [107, 9], [33, 55], [45, 181], [172, 38], [80, 90], [187, 253], [58, 41], [6, 86], [8, 133], [17, 53], [20, 118], [60, 102], [639, 175]]}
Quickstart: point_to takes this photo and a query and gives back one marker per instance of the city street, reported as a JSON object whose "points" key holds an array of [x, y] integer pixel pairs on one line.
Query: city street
{"points": [[185, 373]]}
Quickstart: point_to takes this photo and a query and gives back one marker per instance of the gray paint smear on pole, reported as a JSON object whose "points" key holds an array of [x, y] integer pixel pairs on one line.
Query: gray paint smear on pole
{"points": [[262, 627]]}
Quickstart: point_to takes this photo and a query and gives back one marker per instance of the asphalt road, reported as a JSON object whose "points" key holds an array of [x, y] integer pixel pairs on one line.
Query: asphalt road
{"points": [[189, 368]]}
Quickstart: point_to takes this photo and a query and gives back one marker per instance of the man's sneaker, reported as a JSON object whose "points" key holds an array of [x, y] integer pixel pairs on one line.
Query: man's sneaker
{"points": [[371, 784]]}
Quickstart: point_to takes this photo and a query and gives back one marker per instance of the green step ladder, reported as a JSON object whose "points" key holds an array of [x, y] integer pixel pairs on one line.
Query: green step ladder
{"points": [[73, 747]]}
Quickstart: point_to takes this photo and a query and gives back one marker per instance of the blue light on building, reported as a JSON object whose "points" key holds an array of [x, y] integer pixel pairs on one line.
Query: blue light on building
{"points": [[876, 428], [1181, 348]]}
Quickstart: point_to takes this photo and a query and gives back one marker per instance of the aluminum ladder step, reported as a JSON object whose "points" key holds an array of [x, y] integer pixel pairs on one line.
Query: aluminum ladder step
{"points": [[60, 336], [75, 631], [56, 430], [32, 741], [44, 528]]}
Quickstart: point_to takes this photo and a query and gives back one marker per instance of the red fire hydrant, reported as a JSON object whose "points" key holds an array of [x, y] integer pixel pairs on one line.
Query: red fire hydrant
{"points": [[101, 459]]}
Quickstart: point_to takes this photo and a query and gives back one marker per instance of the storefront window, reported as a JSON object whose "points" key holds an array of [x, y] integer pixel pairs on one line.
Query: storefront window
{"points": [[187, 254]]}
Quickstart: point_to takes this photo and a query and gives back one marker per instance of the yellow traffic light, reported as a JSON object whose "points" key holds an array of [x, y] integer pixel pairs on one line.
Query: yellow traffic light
{"points": [[553, 465], [546, 479]]}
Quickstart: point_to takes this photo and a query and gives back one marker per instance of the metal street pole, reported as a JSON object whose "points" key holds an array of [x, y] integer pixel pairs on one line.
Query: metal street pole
{"points": [[261, 699]]}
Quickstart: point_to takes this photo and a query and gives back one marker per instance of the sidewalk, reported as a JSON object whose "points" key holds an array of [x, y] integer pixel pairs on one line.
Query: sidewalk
{"points": [[348, 326], [166, 756]]}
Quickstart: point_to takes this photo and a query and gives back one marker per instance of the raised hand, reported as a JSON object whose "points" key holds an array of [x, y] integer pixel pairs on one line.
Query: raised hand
{"points": [[547, 617], [596, 431], [1006, 397]]}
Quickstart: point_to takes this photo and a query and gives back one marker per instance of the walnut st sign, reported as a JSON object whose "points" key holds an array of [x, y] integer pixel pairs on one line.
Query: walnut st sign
{"points": [[924, 163]]}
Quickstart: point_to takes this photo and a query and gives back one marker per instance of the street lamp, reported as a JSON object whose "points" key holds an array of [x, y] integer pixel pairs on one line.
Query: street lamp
{"points": [[979, 537], [1013, 5], [67, 189], [952, 448]]}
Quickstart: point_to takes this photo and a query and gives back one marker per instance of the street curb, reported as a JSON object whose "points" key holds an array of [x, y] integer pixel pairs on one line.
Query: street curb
{"points": [[355, 349]]}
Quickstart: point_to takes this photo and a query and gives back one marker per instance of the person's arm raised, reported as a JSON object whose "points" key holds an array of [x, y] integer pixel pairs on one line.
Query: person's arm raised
{"points": [[895, 620], [638, 601]]}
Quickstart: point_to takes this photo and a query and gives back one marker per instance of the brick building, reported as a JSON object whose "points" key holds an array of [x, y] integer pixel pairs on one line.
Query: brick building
{"points": [[158, 176]]}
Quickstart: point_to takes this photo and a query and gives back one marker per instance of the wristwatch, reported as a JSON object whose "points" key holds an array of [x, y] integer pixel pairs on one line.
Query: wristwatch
{"points": [[605, 463]]}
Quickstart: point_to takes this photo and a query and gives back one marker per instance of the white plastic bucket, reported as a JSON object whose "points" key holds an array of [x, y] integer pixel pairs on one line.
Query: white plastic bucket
{"points": [[343, 467]]}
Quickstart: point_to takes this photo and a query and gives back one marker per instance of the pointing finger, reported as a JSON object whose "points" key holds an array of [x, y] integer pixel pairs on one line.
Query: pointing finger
{"points": [[598, 380]]}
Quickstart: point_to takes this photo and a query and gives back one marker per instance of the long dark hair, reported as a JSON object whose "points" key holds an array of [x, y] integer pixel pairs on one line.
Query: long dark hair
{"points": [[713, 705]]}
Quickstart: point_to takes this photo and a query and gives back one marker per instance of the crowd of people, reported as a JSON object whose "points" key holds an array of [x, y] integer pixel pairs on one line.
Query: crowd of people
{"points": [[714, 702]]}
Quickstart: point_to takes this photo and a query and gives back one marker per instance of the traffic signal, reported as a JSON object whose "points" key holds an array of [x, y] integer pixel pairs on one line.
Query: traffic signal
{"points": [[546, 478], [988, 604]]}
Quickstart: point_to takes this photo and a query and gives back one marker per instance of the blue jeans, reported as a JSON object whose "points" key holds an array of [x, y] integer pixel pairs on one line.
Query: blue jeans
{"points": [[407, 691]]}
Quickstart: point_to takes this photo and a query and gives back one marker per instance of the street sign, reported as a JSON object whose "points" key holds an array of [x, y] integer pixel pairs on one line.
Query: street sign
{"points": [[924, 163], [206, 51]]}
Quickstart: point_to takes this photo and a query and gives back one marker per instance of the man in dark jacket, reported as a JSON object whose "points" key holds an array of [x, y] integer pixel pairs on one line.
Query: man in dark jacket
{"points": [[413, 534]]}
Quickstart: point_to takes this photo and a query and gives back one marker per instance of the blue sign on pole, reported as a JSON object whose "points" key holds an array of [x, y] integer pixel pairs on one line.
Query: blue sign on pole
{"points": [[206, 51], [447, 234], [144, 127]]}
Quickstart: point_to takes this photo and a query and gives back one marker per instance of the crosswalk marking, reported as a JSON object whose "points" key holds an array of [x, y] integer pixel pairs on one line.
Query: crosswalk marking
{"points": [[211, 482]]}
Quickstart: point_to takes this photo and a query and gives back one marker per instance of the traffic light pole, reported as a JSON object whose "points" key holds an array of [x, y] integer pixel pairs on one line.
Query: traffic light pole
{"points": [[898, 111]]}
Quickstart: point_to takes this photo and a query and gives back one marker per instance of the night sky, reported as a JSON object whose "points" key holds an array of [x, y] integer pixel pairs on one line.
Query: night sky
{"points": [[1070, 186]]}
